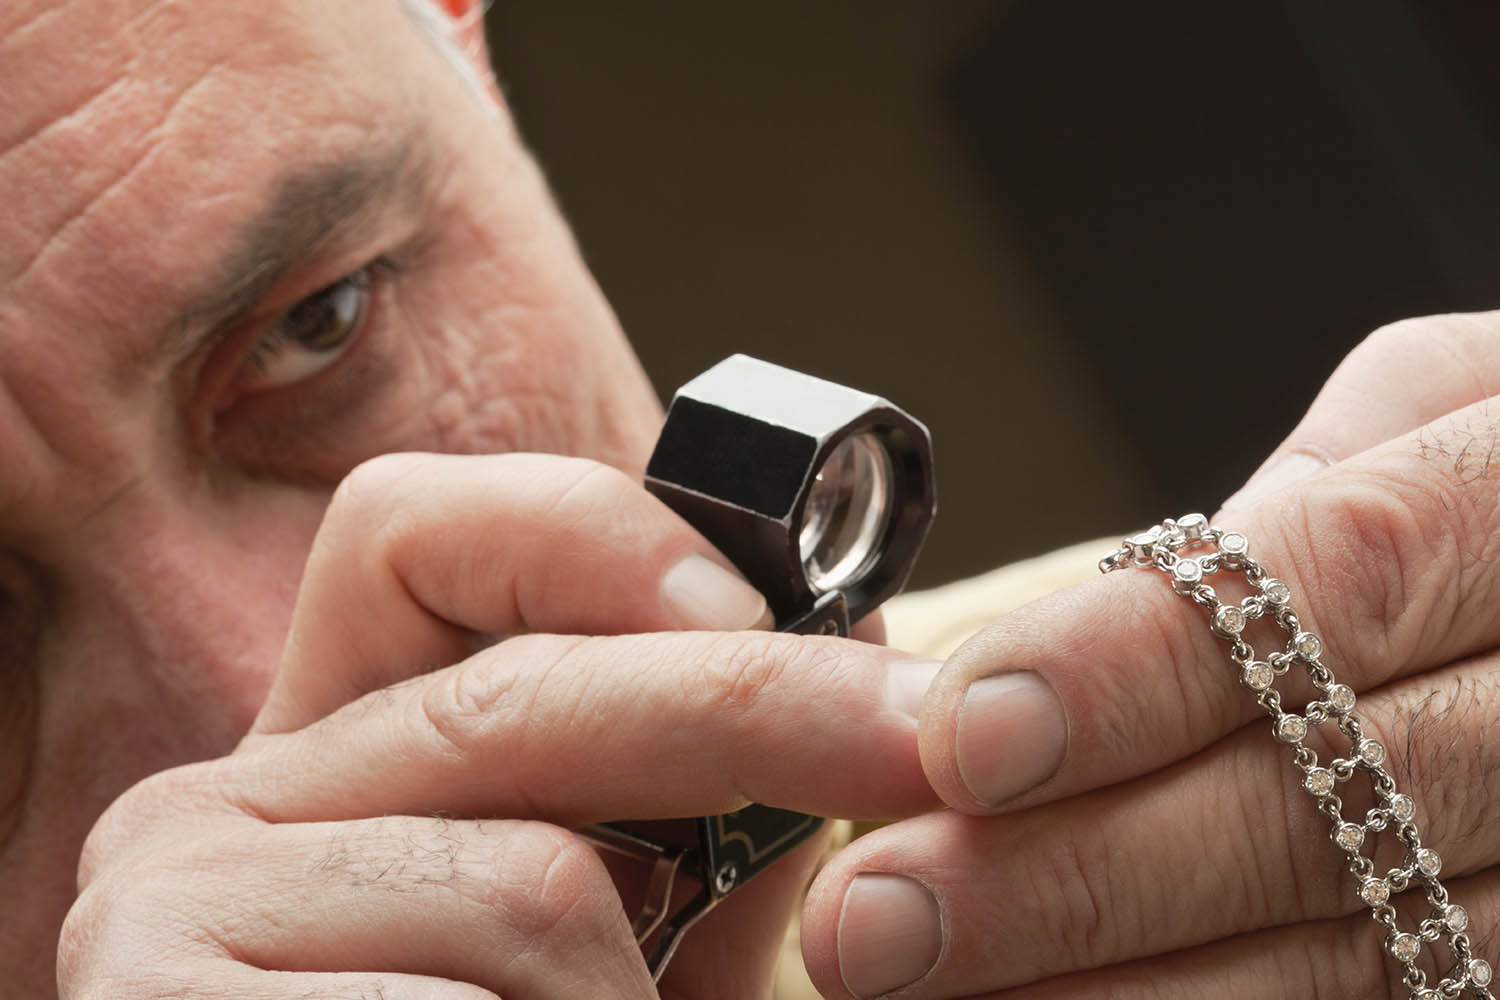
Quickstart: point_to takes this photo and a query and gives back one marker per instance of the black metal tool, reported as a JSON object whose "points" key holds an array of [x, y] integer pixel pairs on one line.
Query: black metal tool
{"points": [[821, 495]]}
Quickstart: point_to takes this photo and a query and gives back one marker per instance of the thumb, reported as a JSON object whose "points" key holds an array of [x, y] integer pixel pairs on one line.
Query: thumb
{"points": [[1399, 378]]}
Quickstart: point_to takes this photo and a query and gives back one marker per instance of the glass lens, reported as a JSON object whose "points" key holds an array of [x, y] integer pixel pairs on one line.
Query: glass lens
{"points": [[847, 512]]}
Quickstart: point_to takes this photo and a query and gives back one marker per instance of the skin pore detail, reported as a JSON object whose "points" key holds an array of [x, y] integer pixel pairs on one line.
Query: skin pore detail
{"points": [[259, 262], [175, 184]]}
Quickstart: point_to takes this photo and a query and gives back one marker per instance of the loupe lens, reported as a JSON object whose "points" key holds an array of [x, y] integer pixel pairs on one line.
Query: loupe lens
{"points": [[847, 511]]}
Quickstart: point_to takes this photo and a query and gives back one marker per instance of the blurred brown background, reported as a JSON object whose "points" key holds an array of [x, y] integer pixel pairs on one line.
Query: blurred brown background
{"points": [[1106, 251]]}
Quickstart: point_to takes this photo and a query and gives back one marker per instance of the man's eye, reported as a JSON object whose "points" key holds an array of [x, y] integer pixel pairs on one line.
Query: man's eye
{"points": [[310, 336]]}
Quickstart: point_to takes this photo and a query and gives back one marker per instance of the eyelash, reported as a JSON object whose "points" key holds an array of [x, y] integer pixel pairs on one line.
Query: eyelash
{"points": [[274, 339]]}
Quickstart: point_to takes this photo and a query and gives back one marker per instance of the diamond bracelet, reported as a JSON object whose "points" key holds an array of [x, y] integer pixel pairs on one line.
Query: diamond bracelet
{"points": [[1189, 551]]}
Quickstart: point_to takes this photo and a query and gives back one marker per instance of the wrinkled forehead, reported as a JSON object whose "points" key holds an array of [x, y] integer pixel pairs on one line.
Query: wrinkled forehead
{"points": [[134, 132]]}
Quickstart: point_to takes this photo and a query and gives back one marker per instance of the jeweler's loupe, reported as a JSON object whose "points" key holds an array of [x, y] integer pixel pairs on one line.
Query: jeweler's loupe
{"points": [[822, 496]]}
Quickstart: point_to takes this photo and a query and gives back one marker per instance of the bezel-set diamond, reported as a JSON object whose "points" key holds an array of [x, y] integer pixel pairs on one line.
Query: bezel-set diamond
{"points": [[1232, 543], [1188, 572], [1291, 728], [1375, 891], [1192, 526], [1307, 646], [1406, 947], [1158, 548], [1349, 836], [1276, 591], [1319, 781], [1341, 698], [1371, 752], [1403, 808], [1230, 619], [1258, 675]]}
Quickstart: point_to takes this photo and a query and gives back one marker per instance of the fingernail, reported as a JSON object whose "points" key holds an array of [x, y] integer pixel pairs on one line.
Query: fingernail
{"points": [[1282, 472], [906, 684], [1012, 734], [702, 594], [890, 934]]}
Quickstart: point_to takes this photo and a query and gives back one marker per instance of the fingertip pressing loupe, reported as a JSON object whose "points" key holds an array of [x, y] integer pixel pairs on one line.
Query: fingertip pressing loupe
{"points": [[822, 496]]}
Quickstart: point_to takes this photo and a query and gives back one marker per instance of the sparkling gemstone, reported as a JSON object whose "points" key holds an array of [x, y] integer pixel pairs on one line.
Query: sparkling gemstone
{"points": [[1319, 781], [1193, 526], [1371, 752], [1258, 675], [1187, 571], [1291, 728], [1307, 646], [1276, 591], [1457, 918], [1479, 972], [1341, 697], [1429, 863], [1403, 808], [1375, 891], [1143, 544], [1230, 619], [1232, 543], [1406, 947], [1349, 836]]}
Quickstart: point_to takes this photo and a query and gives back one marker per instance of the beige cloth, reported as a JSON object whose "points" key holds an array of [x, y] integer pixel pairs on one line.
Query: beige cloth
{"points": [[936, 622]]}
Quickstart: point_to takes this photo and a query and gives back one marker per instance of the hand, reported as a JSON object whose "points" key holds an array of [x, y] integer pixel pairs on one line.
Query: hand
{"points": [[386, 831], [1125, 827]]}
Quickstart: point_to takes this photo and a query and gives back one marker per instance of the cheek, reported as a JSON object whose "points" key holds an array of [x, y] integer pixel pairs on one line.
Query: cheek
{"points": [[500, 389]]}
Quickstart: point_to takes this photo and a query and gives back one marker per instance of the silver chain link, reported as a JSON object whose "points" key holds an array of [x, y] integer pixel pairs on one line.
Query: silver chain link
{"points": [[1189, 551]]}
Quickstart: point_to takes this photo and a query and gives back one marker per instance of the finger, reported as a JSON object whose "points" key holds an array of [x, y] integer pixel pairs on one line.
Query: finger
{"points": [[1388, 559], [581, 730], [1322, 960], [216, 980], [518, 909], [419, 553], [1226, 843], [1400, 377], [744, 933]]}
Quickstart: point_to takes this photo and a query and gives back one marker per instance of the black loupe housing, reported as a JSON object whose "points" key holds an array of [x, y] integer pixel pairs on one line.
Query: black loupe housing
{"points": [[814, 490], [821, 495]]}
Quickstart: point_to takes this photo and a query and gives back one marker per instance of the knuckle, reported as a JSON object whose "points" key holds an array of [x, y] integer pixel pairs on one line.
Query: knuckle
{"points": [[108, 945], [153, 804], [592, 488], [373, 485], [548, 884], [483, 705], [1076, 869], [81, 929], [1371, 549], [1462, 343], [740, 668], [369, 512], [1401, 340]]}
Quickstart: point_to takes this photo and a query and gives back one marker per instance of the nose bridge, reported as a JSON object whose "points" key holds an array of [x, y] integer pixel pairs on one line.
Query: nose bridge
{"points": [[191, 597]]}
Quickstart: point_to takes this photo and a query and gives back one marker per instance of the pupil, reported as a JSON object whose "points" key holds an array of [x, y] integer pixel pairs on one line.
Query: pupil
{"points": [[325, 319]]}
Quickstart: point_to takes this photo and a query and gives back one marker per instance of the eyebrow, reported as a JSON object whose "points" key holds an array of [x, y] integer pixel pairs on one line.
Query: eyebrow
{"points": [[309, 209]]}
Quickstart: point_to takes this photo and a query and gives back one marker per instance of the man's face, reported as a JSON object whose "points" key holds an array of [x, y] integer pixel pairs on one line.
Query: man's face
{"points": [[244, 247]]}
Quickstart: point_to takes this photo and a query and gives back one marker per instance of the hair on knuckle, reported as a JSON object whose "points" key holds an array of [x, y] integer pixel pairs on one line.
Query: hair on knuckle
{"points": [[1443, 756]]}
